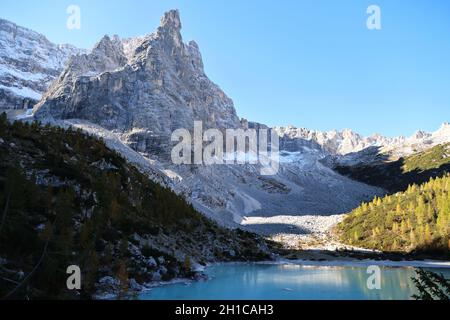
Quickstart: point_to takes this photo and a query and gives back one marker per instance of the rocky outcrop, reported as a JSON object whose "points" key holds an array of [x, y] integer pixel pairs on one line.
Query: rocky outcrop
{"points": [[146, 88], [28, 64]]}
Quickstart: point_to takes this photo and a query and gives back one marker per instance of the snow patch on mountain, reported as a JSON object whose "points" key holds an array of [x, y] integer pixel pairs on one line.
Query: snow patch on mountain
{"points": [[29, 62], [336, 142], [350, 148], [22, 92]]}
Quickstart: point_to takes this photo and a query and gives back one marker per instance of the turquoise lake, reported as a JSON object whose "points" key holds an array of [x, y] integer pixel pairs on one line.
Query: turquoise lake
{"points": [[290, 282]]}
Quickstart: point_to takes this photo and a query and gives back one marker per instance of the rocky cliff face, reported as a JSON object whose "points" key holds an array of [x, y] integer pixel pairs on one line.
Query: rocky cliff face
{"points": [[144, 88], [28, 64], [147, 88]]}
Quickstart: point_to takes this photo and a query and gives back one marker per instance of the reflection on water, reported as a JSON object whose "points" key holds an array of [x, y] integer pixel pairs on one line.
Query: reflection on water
{"points": [[269, 281]]}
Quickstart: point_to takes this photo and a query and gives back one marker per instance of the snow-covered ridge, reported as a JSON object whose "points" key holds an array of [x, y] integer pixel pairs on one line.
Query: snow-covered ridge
{"points": [[29, 62], [346, 142]]}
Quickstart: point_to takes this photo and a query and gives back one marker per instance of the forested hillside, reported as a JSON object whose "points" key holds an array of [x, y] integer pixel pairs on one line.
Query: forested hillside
{"points": [[66, 199], [397, 175], [417, 220]]}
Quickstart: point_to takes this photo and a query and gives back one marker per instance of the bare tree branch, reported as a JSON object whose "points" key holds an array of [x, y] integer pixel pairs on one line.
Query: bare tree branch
{"points": [[5, 211], [9, 280], [44, 252]]}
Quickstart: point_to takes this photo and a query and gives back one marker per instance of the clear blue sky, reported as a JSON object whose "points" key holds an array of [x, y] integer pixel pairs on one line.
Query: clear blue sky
{"points": [[308, 63]]}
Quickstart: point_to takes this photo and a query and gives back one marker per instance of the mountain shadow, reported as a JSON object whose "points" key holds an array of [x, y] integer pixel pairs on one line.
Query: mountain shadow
{"points": [[395, 176]]}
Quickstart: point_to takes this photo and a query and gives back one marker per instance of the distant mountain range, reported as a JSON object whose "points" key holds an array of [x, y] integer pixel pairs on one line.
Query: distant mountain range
{"points": [[347, 144]]}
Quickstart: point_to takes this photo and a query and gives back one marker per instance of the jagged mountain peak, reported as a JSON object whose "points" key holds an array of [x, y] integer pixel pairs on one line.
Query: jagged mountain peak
{"points": [[107, 43], [171, 21], [420, 134], [195, 55], [445, 128], [169, 32], [155, 83], [106, 55]]}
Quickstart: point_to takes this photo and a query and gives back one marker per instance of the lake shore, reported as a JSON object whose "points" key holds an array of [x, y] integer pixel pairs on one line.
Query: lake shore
{"points": [[296, 280], [311, 237]]}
